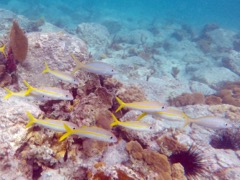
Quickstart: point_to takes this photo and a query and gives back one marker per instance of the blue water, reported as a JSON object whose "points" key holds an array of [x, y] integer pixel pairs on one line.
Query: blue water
{"points": [[69, 14]]}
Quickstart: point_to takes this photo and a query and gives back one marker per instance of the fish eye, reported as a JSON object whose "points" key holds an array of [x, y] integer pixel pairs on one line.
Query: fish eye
{"points": [[111, 137], [226, 124], [74, 128], [163, 107], [66, 95], [112, 70], [150, 127]]}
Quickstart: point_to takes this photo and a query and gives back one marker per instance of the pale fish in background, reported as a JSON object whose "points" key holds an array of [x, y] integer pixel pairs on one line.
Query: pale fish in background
{"points": [[22, 95], [171, 114], [56, 125], [145, 106], [209, 122], [134, 125], [92, 132], [64, 76], [99, 68], [2, 50], [53, 93]]}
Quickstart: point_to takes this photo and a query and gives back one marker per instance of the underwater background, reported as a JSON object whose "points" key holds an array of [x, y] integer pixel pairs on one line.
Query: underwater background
{"points": [[184, 55]]}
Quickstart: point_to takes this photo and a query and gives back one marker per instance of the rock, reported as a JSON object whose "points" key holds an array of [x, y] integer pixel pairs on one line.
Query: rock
{"points": [[202, 88], [96, 36], [12, 133], [230, 173], [222, 38], [232, 61], [138, 37], [221, 75], [53, 48], [113, 26]]}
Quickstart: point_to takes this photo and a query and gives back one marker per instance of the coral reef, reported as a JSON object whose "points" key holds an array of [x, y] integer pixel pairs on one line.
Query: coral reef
{"points": [[187, 99], [155, 161], [229, 93]]}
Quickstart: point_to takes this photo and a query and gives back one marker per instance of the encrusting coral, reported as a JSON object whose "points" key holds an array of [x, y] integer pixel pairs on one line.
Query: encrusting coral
{"points": [[229, 93], [155, 161]]}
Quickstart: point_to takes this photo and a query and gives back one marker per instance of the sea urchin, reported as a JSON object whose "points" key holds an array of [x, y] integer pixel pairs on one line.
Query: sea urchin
{"points": [[192, 160]]}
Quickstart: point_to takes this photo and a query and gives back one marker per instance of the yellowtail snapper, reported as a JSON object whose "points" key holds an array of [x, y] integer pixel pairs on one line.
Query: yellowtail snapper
{"points": [[56, 125], [92, 132]]}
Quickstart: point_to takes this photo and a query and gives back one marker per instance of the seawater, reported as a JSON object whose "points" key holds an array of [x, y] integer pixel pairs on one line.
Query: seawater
{"points": [[70, 13]]}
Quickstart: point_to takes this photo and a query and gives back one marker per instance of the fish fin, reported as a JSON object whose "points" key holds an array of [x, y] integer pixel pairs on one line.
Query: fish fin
{"points": [[121, 103], [31, 121], [187, 122], [2, 49], [30, 88], [47, 69], [141, 116], [67, 128], [64, 136], [69, 131], [10, 93], [115, 122], [78, 64]]}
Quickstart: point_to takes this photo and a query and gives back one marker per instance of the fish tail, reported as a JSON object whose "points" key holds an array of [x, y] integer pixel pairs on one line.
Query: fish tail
{"points": [[69, 131], [47, 69], [121, 103], [2, 49], [30, 88], [187, 122], [141, 116], [31, 121], [10, 93], [115, 122], [78, 64]]}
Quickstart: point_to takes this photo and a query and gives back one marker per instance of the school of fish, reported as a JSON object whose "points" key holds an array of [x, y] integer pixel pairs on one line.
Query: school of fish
{"points": [[154, 108]]}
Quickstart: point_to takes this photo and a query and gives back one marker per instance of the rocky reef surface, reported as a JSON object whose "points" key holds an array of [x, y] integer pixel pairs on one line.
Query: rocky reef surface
{"points": [[149, 68]]}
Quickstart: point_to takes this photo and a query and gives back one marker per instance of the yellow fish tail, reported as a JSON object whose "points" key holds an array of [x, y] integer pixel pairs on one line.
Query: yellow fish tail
{"points": [[115, 122], [30, 88], [121, 103], [47, 69], [69, 131], [79, 65], [2, 49], [10, 93], [32, 120], [141, 116]]}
